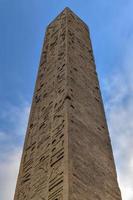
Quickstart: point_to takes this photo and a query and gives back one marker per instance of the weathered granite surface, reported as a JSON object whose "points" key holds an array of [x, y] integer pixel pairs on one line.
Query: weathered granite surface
{"points": [[67, 153]]}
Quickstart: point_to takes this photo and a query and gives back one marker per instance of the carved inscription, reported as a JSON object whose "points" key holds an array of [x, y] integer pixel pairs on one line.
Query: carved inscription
{"points": [[42, 168]]}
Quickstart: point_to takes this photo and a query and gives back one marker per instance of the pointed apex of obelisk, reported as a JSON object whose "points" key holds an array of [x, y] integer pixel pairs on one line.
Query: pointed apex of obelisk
{"points": [[67, 9]]}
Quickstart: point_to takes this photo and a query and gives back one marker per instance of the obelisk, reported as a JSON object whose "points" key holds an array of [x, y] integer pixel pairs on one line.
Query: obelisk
{"points": [[67, 153]]}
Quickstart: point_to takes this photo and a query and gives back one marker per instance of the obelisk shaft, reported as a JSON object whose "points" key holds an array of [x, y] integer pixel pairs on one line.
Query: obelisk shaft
{"points": [[67, 153]]}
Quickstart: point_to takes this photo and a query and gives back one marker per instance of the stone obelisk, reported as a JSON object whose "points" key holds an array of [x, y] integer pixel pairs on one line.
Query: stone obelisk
{"points": [[67, 152]]}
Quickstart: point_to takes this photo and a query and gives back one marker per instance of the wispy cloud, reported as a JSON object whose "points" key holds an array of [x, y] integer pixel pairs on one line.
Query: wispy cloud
{"points": [[8, 173], [118, 89], [10, 148]]}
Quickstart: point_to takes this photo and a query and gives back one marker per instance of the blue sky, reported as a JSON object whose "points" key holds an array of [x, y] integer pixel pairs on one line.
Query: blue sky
{"points": [[22, 31]]}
